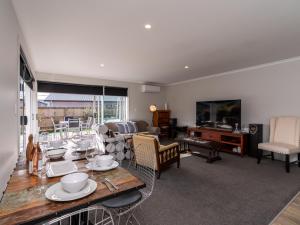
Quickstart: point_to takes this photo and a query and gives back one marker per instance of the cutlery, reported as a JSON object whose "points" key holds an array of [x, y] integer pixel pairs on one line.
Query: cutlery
{"points": [[109, 188], [112, 184]]}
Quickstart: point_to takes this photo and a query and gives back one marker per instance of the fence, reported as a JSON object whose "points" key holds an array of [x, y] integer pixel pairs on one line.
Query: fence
{"points": [[59, 113]]}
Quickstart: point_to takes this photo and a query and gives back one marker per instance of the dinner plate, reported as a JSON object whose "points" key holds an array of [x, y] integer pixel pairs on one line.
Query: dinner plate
{"points": [[56, 153], [114, 165], [57, 193]]}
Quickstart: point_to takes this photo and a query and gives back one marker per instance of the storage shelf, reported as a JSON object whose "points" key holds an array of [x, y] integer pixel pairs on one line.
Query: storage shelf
{"points": [[231, 143]]}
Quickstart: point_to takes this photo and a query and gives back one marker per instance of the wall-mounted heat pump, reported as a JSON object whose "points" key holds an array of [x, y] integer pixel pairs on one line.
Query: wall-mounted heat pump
{"points": [[150, 89]]}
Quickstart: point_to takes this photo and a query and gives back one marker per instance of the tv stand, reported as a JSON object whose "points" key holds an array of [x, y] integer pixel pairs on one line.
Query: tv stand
{"points": [[226, 138]]}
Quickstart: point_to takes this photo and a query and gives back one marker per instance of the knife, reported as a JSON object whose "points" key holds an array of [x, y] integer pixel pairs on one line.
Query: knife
{"points": [[112, 184], [109, 187]]}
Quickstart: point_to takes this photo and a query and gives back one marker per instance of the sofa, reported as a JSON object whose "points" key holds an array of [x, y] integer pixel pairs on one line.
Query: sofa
{"points": [[141, 126]]}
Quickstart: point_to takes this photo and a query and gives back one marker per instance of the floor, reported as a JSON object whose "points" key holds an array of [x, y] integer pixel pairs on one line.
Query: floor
{"points": [[233, 191]]}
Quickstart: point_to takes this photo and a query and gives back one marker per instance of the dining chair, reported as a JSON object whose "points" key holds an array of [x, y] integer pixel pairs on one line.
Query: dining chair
{"points": [[74, 126], [87, 125], [124, 206], [95, 215], [58, 127]]}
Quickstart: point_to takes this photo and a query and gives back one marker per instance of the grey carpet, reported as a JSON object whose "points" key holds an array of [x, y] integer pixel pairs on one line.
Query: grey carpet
{"points": [[234, 191]]}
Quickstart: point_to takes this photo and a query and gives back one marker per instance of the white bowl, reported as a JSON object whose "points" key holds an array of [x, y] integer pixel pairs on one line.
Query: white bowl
{"points": [[104, 160], [56, 153], [74, 182], [83, 145], [56, 144]]}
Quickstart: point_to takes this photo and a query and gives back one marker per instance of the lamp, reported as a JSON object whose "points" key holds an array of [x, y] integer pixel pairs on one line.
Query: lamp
{"points": [[153, 108]]}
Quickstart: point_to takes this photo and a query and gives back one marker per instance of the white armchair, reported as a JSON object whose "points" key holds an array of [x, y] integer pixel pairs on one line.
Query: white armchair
{"points": [[284, 139]]}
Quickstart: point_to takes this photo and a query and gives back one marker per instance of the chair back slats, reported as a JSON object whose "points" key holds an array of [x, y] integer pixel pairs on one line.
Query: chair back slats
{"points": [[96, 215], [145, 146]]}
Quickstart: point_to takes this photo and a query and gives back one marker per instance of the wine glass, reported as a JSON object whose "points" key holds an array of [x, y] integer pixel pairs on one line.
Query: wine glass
{"points": [[90, 157], [42, 173]]}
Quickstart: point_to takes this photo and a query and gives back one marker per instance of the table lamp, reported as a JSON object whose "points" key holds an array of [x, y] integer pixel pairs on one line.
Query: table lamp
{"points": [[153, 108]]}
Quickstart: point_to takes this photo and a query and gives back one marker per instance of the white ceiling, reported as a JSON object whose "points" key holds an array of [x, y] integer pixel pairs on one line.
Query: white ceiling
{"points": [[211, 36]]}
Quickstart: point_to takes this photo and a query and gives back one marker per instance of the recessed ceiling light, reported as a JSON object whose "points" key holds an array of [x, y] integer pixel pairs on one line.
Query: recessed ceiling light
{"points": [[102, 65], [186, 67], [148, 26]]}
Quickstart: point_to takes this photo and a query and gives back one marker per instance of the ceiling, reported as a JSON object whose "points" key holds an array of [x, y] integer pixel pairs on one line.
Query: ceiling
{"points": [[74, 37]]}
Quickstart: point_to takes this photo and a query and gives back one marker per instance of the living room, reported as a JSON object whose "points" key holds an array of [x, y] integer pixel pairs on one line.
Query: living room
{"points": [[126, 62]]}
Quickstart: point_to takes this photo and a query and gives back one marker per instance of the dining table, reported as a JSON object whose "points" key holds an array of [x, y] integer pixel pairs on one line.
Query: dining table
{"points": [[24, 200]]}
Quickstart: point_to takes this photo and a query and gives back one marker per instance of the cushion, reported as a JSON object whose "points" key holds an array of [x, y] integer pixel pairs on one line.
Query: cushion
{"points": [[279, 148], [123, 200], [112, 126], [122, 128], [142, 125], [132, 128]]}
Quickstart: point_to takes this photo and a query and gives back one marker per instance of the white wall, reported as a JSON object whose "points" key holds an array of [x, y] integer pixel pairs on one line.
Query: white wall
{"points": [[11, 39], [9, 64], [266, 91], [138, 102]]}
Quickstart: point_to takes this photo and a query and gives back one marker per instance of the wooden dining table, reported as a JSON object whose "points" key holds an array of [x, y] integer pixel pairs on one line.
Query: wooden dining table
{"points": [[24, 200]]}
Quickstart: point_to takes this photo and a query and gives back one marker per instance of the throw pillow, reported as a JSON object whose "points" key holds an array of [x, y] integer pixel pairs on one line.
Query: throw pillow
{"points": [[132, 127], [121, 128]]}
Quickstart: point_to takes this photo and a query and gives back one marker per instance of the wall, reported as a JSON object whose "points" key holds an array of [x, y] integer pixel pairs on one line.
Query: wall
{"points": [[266, 91], [9, 67], [138, 102]]}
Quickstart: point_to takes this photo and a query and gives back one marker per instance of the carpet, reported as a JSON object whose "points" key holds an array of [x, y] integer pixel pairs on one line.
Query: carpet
{"points": [[233, 191]]}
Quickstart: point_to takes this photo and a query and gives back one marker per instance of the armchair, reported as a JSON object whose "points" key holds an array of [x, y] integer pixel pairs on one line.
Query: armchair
{"points": [[284, 139], [164, 155]]}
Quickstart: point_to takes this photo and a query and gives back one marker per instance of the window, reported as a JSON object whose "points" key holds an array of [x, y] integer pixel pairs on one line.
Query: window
{"points": [[59, 101], [114, 108]]}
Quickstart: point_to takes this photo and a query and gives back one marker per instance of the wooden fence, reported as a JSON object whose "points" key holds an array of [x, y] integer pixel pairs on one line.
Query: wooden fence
{"points": [[59, 113]]}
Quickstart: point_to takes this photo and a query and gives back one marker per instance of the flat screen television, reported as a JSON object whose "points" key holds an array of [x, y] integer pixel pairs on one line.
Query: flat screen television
{"points": [[219, 114]]}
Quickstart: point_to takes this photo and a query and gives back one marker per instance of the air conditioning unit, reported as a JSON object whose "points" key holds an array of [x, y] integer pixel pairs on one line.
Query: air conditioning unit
{"points": [[150, 89]]}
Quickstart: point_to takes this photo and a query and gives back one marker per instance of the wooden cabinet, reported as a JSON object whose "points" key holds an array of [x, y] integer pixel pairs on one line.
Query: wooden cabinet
{"points": [[228, 139], [161, 119]]}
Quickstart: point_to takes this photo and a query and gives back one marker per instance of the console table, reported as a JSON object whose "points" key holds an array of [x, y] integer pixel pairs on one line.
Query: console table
{"points": [[227, 139]]}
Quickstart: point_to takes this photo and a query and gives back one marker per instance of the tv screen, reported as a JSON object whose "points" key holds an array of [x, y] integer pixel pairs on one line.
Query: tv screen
{"points": [[221, 114]]}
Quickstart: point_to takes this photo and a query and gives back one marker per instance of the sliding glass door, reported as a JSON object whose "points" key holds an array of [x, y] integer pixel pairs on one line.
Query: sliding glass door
{"points": [[25, 112], [26, 120]]}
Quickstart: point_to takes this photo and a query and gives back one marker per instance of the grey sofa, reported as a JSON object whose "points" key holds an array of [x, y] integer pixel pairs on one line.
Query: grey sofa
{"points": [[142, 127]]}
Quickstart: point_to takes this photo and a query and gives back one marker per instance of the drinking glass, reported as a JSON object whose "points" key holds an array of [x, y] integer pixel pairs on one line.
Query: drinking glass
{"points": [[90, 157], [42, 173]]}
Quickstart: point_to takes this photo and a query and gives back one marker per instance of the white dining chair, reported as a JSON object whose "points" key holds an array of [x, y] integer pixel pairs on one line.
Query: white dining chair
{"points": [[124, 206], [57, 127], [95, 215]]}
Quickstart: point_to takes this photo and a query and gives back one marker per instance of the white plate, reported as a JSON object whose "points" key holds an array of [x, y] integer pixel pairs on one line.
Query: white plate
{"points": [[56, 153], [57, 193], [61, 168], [114, 165]]}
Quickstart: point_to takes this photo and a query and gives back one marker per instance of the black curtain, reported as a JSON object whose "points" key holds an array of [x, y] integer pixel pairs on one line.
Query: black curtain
{"points": [[25, 72], [115, 91], [55, 87]]}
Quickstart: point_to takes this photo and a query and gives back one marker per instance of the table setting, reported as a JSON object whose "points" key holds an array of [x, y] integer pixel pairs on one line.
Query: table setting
{"points": [[72, 173]]}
